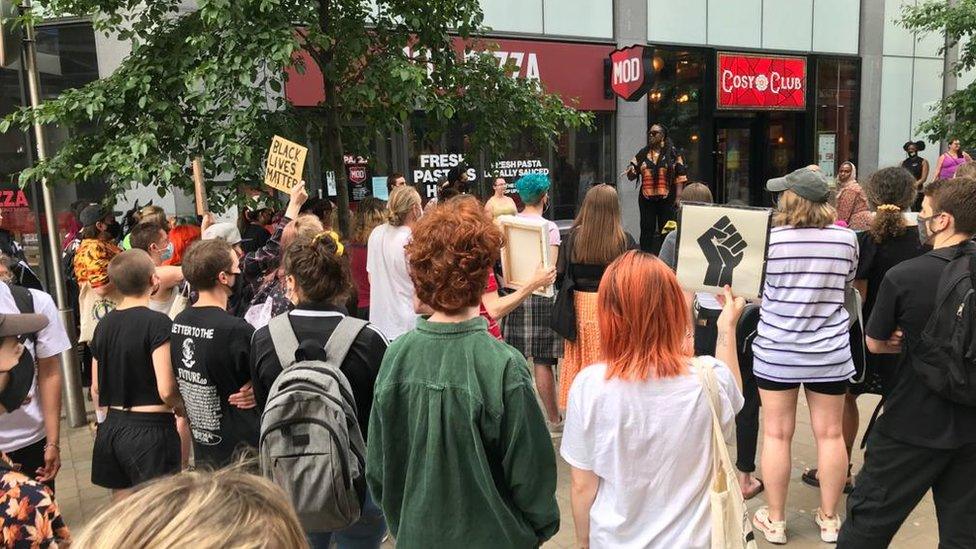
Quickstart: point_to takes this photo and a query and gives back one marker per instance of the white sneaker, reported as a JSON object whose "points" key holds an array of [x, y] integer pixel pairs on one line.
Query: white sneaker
{"points": [[829, 527], [774, 531]]}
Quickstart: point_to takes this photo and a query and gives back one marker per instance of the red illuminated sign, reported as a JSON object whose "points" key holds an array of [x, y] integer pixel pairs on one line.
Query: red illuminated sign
{"points": [[761, 82], [631, 72]]}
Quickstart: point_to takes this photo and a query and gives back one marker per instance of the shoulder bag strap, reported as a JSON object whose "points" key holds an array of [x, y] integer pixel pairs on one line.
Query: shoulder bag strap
{"points": [[342, 339], [283, 339], [720, 451]]}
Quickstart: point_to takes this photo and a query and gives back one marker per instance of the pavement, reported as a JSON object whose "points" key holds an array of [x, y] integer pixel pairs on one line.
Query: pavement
{"points": [[919, 531]]}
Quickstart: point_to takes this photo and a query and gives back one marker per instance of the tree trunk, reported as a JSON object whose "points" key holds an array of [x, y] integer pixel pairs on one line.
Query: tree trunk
{"points": [[334, 149]]}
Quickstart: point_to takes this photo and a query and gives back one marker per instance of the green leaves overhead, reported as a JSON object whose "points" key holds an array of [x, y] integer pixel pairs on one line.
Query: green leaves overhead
{"points": [[955, 116], [209, 82]]}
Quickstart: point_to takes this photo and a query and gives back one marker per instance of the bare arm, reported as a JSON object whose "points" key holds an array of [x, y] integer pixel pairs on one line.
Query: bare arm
{"points": [[861, 285], [49, 391], [169, 276], [725, 344], [925, 173], [879, 347], [938, 167], [498, 306], [165, 380], [584, 486], [94, 382]]}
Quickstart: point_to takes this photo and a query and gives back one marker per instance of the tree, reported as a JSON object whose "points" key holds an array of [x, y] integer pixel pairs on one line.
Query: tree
{"points": [[955, 115], [208, 82]]}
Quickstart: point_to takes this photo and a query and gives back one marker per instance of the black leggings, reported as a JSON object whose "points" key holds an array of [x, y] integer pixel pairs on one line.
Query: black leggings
{"points": [[654, 214], [747, 420]]}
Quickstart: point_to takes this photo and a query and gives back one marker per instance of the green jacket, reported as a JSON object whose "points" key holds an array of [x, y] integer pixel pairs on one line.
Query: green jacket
{"points": [[458, 452]]}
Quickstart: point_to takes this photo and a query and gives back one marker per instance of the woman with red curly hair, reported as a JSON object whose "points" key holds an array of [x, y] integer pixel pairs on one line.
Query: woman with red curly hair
{"points": [[181, 236], [458, 405], [647, 399]]}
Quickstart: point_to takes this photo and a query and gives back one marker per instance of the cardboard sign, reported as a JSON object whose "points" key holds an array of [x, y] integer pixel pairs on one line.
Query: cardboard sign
{"points": [[286, 163], [199, 188], [526, 247], [719, 245]]}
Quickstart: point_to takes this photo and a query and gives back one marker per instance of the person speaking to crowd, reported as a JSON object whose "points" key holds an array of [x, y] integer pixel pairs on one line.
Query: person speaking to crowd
{"points": [[661, 173]]}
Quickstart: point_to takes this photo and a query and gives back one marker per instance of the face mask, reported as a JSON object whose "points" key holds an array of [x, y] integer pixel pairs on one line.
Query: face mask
{"points": [[114, 229], [167, 253], [924, 236]]}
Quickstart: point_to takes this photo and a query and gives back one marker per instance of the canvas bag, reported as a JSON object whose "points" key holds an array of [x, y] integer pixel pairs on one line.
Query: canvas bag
{"points": [[92, 308], [311, 444], [731, 528]]}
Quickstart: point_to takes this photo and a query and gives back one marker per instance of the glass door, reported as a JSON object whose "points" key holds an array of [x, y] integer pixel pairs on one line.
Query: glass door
{"points": [[735, 161]]}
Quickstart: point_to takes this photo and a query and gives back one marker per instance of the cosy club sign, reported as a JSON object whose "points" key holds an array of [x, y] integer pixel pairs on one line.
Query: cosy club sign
{"points": [[631, 72], [761, 82]]}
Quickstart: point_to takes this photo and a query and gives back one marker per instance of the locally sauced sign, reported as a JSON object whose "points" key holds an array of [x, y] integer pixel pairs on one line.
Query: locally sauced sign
{"points": [[763, 82]]}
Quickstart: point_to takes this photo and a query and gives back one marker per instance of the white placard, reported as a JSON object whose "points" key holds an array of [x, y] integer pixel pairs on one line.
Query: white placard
{"points": [[719, 245], [526, 247], [826, 152]]}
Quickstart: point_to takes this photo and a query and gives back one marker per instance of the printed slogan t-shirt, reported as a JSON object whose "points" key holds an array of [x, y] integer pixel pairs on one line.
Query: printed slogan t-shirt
{"points": [[211, 357]]}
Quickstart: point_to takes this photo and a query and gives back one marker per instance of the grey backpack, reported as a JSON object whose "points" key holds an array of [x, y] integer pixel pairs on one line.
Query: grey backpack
{"points": [[311, 445]]}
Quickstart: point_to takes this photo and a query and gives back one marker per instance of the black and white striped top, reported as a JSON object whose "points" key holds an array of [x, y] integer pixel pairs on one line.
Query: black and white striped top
{"points": [[803, 333]]}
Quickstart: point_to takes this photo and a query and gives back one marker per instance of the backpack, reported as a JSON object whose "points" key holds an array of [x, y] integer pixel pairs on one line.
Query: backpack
{"points": [[310, 444], [945, 355]]}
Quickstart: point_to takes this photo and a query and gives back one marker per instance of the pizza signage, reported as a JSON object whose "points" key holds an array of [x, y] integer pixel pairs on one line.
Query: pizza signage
{"points": [[761, 82], [631, 72]]}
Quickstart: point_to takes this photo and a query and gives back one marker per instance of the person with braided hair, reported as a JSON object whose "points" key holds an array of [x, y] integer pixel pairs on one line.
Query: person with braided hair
{"points": [[660, 173]]}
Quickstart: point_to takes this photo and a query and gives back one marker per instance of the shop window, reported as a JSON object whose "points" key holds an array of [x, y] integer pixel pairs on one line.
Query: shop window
{"points": [[676, 100], [583, 158], [837, 112]]}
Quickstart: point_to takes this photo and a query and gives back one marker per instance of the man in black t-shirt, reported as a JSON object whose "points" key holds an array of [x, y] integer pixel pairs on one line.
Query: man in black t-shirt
{"points": [[922, 441], [211, 355]]}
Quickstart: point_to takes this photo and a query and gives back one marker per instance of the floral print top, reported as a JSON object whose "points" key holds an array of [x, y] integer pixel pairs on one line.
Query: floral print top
{"points": [[29, 516], [91, 261]]}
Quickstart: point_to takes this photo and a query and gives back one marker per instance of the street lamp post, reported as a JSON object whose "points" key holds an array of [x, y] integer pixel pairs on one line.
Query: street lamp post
{"points": [[74, 400]]}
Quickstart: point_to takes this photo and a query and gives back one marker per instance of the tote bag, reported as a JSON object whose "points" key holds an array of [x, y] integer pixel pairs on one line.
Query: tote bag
{"points": [[92, 307], [731, 528]]}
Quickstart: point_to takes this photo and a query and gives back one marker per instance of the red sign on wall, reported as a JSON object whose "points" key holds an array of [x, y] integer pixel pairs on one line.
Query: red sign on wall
{"points": [[761, 82], [573, 71], [631, 72]]}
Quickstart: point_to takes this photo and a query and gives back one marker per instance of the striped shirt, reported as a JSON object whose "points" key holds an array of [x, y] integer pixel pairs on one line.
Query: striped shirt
{"points": [[803, 333]]}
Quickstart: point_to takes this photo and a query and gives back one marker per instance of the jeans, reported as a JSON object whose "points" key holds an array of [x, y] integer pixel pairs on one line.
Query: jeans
{"points": [[654, 214], [895, 477], [366, 533]]}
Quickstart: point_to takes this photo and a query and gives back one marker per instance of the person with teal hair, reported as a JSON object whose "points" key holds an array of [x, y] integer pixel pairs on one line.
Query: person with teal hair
{"points": [[527, 327]]}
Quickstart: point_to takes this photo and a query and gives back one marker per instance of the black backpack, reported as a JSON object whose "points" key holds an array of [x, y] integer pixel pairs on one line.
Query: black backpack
{"points": [[945, 355]]}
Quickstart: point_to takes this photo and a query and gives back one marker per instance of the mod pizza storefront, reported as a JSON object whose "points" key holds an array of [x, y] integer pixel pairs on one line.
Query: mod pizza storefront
{"points": [[742, 117]]}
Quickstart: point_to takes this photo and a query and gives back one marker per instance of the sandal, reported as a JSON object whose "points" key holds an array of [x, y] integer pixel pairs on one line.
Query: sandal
{"points": [[759, 489], [810, 477]]}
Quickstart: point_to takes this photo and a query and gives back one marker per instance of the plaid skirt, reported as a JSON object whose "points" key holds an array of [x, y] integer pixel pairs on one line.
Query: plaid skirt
{"points": [[527, 329]]}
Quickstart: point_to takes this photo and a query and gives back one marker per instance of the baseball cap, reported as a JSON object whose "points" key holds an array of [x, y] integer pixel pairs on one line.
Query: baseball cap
{"points": [[805, 182], [225, 231], [93, 213], [22, 374]]}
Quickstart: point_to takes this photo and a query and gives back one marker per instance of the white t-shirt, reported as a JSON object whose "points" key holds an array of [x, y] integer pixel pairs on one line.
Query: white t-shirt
{"points": [[391, 293], [650, 443], [25, 425]]}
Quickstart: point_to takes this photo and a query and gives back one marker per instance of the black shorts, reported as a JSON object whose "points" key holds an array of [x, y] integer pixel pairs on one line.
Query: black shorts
{"points": [[133, 447], [820, 387]]}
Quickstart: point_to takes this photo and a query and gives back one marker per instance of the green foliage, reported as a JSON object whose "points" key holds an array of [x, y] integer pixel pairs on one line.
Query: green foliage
{"points": [[208, 82], [955, 116]]}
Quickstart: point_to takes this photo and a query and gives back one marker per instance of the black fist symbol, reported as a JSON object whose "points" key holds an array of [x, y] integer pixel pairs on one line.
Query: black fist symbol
{"points": [[723, 247]]}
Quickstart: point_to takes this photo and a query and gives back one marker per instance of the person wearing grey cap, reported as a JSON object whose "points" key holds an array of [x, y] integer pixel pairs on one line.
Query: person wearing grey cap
{"points": [[803, 340]]}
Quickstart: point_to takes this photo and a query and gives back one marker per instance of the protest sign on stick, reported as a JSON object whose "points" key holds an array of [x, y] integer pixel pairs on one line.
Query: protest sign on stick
{"points": [[719, 245], [526, 248], [199, 189], [286, 163]]}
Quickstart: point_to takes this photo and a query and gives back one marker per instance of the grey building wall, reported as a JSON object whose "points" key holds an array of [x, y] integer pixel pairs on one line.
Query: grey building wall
{"points": [[630, 22], [871, 52]]}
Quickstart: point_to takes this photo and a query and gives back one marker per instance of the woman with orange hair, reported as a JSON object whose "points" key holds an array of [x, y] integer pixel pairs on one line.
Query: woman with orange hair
{"points": [[646, 399], [181, 236], [457, 404]]}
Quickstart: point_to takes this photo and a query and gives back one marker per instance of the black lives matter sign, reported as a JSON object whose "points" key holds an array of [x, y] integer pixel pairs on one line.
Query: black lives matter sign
{"points": [[286, 163]]}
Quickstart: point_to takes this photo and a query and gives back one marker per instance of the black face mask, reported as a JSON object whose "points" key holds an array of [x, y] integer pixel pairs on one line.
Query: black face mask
{"points": [[114, 229]]}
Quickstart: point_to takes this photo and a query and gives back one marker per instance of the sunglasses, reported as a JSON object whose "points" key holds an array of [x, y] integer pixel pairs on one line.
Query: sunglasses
{"points": [[655, 132]]}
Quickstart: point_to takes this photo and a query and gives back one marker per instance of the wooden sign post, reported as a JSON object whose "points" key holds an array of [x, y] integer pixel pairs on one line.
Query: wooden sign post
{"points": [[199, 188], [286, 163]]}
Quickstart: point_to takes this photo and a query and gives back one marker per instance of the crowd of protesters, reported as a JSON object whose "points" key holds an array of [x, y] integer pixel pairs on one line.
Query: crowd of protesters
{"points": [[391, 382]]}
